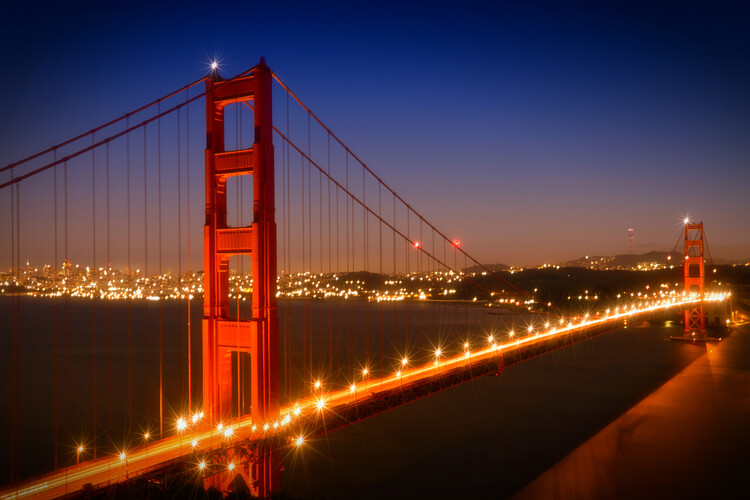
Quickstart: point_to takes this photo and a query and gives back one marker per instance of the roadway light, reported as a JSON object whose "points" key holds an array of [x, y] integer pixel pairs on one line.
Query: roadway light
{"points": [[181, 424]]}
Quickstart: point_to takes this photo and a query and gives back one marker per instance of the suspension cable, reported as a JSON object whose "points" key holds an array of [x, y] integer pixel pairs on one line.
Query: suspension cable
{"points": [[101, 127], [364, 165]]}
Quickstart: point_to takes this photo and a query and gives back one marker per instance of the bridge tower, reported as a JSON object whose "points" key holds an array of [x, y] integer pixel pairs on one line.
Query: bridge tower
{"points": [[694, 276], [223, 335]]}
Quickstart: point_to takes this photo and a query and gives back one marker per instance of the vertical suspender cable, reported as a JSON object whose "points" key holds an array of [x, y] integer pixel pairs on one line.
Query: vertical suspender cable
{"points": [[57, 332], [145, 284], [321, 356], [190, 276], [309, 239], [285, 268], [366, 263], [161, 303], [109, 309], [18, 320], [380, 270], [179, 258], [95, 277], [130, 285], [14, 320], [348, 309], [66, 356], [330, 312], [302, 224]]}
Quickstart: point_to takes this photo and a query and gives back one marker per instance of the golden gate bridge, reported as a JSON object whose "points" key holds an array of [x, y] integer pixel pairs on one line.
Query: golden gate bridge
{"points": [[271, 376]]}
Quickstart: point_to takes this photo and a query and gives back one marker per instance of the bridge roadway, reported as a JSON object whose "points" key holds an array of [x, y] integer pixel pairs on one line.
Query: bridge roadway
{"points": [[305, 413]]}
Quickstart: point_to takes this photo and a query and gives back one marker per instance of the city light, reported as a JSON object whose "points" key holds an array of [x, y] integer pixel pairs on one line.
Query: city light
{"points": [[299, 441]]}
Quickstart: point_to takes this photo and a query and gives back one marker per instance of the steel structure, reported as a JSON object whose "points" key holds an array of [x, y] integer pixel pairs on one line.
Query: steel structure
{"points": [[222, 334], [694, 277]]}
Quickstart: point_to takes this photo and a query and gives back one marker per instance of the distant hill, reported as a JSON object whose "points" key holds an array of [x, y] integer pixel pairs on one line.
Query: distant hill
{"points": [[492, 267], [625, 261]]}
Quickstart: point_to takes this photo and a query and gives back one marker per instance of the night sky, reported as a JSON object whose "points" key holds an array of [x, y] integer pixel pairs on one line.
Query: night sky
{"points": [[535, 133]]}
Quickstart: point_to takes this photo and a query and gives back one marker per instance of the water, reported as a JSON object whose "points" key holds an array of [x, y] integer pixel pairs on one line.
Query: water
{"points": [[330, 341], [494, 434]]}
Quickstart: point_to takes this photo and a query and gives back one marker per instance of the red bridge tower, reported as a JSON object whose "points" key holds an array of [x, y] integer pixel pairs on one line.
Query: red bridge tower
{"points": [[694, 276], [223, 335]]}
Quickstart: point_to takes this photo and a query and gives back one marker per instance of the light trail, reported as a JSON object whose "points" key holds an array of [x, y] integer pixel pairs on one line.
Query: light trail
{"points": [[200, 439]]}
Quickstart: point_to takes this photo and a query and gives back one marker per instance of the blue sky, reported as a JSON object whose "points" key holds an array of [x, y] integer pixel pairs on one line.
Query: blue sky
{"points": [[535, 132]]}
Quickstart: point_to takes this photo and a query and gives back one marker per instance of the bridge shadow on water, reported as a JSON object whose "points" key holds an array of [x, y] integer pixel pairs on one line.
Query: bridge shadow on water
{"points": [[626, 414]]}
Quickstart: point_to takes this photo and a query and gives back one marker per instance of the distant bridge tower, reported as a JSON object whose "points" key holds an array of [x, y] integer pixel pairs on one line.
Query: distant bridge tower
{"points": [[694, 276], [223, 335]]}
